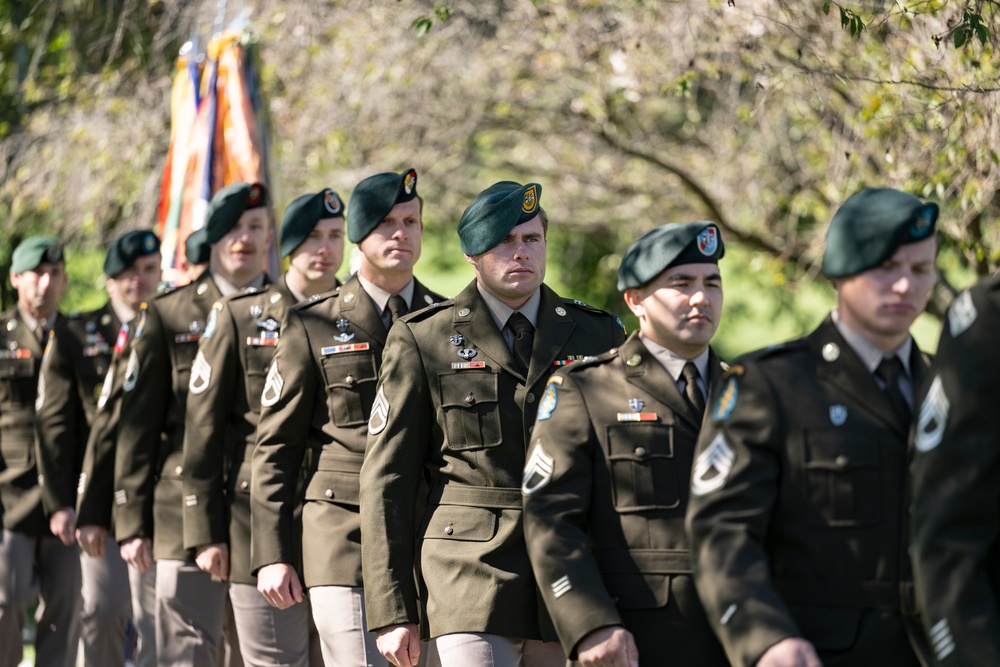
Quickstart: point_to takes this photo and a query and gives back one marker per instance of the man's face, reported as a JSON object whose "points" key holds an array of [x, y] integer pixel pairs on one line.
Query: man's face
{"points": [[239, 256], [513, 269], [39, 290], [394, 245], [681, 308], [136, 283], [318, 258], [881, 303]]}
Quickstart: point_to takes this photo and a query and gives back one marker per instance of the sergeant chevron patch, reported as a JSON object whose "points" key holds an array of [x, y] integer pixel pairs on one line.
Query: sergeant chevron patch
{"points": [[201, 374], [944, 643], [561, 586], [933, 417], [712, 467], [380, 413], [537, 471], [131, 372], [272, 386]]}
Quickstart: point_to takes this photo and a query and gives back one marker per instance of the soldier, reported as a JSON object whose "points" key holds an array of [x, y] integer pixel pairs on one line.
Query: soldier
{"points": [[223, 408], [149, 458], [797, 511], [605, 486], [956, 482], [455, 404], [72, 374], [27, 547], [315, 408], [196, 255]]}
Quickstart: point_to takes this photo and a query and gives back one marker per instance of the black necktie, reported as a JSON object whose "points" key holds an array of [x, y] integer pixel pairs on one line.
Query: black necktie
{"points": [[396, 308], [524, 339], [889, 371], [691, 391]]}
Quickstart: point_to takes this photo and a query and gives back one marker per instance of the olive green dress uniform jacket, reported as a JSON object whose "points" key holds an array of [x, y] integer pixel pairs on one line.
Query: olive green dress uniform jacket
{"points": [[605, 489], [223, 407], [95, 490], [149, 458], [462, 422], [72, 374], [797, 515], [316, 411], [956, 485], [20, 494]]}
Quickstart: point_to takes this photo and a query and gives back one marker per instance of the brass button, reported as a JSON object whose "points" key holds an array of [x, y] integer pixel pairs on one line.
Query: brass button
{"points": [[842, 461], [244, 485], [470, 399], [178, 470], [530, 398], [449, 530], [640, 451], [329, 493], [349, 380]]}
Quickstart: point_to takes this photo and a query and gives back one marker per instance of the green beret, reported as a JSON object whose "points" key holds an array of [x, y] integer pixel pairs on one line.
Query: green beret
{"points": [[303, 214], [494, 212], [870, 226], [196, 247], [129, 247], [228, 205], [35, 250], [374, 197], [672, 244]]}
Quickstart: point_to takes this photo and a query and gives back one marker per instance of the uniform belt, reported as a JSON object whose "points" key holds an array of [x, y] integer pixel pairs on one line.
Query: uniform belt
{"points": [[475, 496], [340, 461], [880, 595], [644, 561]]}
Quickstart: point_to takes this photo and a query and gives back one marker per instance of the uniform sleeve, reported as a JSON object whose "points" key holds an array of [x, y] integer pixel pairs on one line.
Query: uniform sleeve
{"points": [[734, 485], [216, 373], [399, 433], [95, 491], [282, 440], [956, 495], [556, 513], [145, 394], [58, 412]]}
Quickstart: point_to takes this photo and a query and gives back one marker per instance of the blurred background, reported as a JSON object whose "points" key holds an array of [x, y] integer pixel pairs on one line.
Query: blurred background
{"points": [[760, 115]]}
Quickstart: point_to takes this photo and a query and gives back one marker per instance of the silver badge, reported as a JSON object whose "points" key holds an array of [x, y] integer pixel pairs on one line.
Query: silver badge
{"points": [[831, 352], [342, 326], [467, 353], [194, 327], [838, 415], [457, 340], [256, 310], [270, 324], [636, 404], [933, 417]]}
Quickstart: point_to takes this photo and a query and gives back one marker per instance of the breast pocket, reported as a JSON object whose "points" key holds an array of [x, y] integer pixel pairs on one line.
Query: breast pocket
{"points": [[184, 354], [18, 381], [469, 404], [644, 472], [350, 387], [257, 360], [842, 474]]}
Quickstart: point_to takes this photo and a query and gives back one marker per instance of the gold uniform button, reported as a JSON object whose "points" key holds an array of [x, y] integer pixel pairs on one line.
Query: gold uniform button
{"points": [[842, 461], [329, 493], [349, 380], [178, 470], [640, 451], [448, 530], [244, 485], [530, 397]]}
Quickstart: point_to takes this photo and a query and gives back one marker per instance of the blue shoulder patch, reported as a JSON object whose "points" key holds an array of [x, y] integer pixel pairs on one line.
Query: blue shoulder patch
{"points": [[727, 400], [548, 403]]}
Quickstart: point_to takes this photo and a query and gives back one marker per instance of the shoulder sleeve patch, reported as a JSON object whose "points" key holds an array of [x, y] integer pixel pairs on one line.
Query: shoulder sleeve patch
{"points": [[962, 314], [727, 399]]}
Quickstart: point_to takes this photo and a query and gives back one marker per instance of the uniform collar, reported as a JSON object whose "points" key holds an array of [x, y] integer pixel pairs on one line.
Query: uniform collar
{"points": [[501, 312], [381, 297], [673, 362], [121, 311], [868, 353], [227, 288]]}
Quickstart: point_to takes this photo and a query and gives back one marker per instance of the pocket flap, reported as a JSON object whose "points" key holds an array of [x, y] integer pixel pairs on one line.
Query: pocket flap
{"points": [[333, 486], [840, 450], [457, 522]]}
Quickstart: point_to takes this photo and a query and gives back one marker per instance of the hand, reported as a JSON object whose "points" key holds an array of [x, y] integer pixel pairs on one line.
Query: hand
{"points": [[612, 646], [399, 644], [279, 584], [92, 540], [790, 652], [214, 559], [63, 525], [138, 552]]}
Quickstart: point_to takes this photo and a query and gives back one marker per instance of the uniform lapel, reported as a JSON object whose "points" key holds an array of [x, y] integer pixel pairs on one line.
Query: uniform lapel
{"points": [[552, 331], [848, 376], [422, 297], [108, 331], [475, 322], [649, 375], [358, 307]]}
